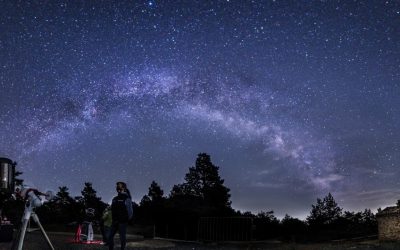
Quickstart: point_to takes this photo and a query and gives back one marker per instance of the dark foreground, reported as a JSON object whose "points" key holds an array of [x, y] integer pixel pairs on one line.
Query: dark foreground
{"points": [[61, 241]]}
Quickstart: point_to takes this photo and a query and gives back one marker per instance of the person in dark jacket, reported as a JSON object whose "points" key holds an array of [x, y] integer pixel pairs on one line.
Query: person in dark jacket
{"points": [[121, 213]]}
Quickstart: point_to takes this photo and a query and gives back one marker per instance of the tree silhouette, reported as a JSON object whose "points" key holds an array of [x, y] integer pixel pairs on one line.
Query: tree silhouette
{"points": [[369, 221], [177, 190], [266, 224], [267, 216], [152, 205], [90, 199], [18, 181], [203, 182], [89, 196], [154, 195], [56, 210], [202, 194], [155, 192], [293, 229], [65, 205], [63, 196], [325, 212]]}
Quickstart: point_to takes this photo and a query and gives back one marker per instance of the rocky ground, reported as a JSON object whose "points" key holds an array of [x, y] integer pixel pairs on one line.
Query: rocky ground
{"points": [[35, 241]]}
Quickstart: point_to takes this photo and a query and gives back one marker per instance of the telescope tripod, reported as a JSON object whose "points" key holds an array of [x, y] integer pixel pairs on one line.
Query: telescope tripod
{"points": [[28, 214]]}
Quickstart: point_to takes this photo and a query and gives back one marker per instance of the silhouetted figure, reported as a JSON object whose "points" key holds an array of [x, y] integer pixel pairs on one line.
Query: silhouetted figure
{"points": [[106, 222], [121, 210]]}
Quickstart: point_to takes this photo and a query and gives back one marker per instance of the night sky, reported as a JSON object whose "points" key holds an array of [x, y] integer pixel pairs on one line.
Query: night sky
{"points": [[292, 99]]}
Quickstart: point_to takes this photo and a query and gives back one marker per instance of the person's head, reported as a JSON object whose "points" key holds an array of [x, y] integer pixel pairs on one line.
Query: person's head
{"points": [[121, 187]]}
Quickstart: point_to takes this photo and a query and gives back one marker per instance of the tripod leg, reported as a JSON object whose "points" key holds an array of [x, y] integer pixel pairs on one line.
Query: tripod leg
{"points": [[36, 219], [25, 222]]}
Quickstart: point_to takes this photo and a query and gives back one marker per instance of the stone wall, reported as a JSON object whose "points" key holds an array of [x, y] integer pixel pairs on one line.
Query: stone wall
{"points": [[389, 224]]}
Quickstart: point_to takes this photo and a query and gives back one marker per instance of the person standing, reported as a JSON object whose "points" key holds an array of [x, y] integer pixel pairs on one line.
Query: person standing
{"points": [[121, 213], [106, 220]]}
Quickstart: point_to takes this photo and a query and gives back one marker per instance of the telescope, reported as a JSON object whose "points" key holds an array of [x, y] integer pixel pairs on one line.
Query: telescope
{"points": [[7, 175], [33, 199]]}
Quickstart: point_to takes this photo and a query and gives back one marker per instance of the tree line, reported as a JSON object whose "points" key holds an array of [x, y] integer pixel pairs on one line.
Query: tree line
{"points": [[203, 194]]}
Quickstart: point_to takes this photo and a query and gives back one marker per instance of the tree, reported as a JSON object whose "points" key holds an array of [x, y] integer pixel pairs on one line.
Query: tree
{"points": [[63, 196], [292, 228], [89, 199], [65, 205], [266, 224], [203, 182], [155, 192], [89, 196], [369, 221], [152, 205], [177, 190], [202, 194], [267, 216], [18, 181], [62, 209], [145, 201], [325, 212]]}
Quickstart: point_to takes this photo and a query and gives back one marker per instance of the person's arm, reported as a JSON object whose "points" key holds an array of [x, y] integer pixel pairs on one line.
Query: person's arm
{"points": [[128, 204], [105, 214]]}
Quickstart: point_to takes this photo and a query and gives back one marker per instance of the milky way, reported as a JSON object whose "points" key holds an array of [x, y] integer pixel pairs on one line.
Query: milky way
{"points": [[292, 100]]}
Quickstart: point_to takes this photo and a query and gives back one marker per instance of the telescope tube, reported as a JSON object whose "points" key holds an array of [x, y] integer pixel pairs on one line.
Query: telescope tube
{"points": [[7, 171]]}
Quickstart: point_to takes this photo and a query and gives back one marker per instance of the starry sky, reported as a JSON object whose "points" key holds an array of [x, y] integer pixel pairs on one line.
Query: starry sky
{"points": [[292, 99]]}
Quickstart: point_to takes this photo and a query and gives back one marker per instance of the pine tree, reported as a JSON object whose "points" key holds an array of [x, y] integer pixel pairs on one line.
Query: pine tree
{"points": [[60, 209], [89, 195], [332, 211], [203, 181], [90, 200], [152, 205], [63, 196], [369, 220], [292, 228], [325, 212], [155, 192], [154, 195]]}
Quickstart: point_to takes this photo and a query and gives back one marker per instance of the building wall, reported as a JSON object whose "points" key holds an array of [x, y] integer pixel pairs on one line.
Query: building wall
{"points": [[389, 227]]}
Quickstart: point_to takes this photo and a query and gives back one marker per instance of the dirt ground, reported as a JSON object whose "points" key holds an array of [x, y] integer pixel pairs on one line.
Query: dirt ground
{"points": [[35, 241]]}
